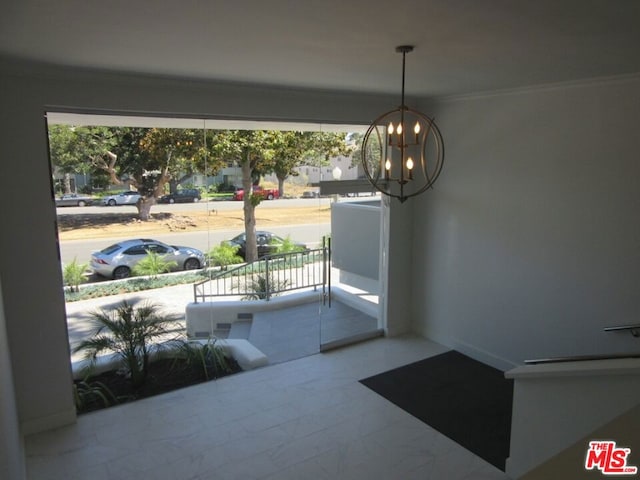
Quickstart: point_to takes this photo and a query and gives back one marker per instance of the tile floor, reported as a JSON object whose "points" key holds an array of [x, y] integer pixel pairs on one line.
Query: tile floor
{"points": [[305, 419], [290, 333]]}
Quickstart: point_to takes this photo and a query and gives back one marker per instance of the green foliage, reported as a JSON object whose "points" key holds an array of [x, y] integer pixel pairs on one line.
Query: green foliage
{"points": [[86, 393], [225, 254], [73, 274], [288, 246], [129, 332], [130, 285], [255, 200], [264, 286], [153, 265], [210, 357]]}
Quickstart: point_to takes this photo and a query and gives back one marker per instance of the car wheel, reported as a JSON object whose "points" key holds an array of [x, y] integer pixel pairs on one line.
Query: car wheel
{"points": [[172, 200], [191, 264], [111, 203], [121, 272], [81, 203], [270, 196], [195, 199]]}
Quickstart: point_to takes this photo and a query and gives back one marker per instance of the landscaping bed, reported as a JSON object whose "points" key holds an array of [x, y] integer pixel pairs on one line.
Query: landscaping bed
{"points": [[164, 375]]}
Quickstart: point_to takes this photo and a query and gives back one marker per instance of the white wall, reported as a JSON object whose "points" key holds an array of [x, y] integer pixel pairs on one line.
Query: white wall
{"points": [[29, 263], [11, 445], [530, 243]]}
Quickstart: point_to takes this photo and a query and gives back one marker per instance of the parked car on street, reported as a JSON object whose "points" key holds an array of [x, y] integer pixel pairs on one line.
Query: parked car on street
{"points": [[124, 198], [117, 260], [181, 196], [74, 200], [265, 193], [268, 243]]}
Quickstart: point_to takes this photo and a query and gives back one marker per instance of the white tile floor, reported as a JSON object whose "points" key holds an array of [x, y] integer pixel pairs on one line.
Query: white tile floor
{"points": [[305, 419]]}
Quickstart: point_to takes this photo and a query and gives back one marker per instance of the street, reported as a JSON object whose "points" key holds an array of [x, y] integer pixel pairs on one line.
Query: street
{"points": [[310, 234], [202, 240]]}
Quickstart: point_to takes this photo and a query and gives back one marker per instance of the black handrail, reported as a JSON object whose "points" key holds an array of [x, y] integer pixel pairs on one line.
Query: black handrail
{"points": [[581, 358], [634, 329]]}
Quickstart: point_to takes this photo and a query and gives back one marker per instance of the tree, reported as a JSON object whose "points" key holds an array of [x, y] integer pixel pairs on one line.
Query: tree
{"points": [[292, 149], [259, 152], [146, 158], [75, 149], [253, 151]]}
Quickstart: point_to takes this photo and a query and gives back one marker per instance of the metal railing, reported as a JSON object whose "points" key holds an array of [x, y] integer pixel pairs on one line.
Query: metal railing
{"points": [[271, 275], [581, 358], [633, 329]]}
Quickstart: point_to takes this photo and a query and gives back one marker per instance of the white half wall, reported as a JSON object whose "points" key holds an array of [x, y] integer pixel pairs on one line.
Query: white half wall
{"points": [[355, 238], [530, 242]]}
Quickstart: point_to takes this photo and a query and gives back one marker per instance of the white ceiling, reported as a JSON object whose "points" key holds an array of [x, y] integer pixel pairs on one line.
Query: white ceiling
{"points": [[462, 46]]}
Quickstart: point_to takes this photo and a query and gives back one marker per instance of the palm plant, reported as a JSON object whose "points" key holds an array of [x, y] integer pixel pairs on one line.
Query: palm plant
{"points": [[287, 246], [73, 274], [130, 333], [87, 393], [211, 358], [225, 254], [262, 287], [153, 264]]}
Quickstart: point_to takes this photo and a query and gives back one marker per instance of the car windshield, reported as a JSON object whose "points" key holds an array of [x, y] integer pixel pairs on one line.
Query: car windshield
{"points": [[109, 250]]}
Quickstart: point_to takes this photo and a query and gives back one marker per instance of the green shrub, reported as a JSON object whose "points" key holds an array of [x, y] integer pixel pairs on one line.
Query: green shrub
{"points": [[209, 357], [73, 275], [288, 246], [86, 393], [153, 265], [225, 254], [261, 289], [133, 285], [130, 332]]}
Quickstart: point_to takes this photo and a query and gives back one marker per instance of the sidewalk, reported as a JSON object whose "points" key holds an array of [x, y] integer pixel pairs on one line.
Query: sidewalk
{"points": [[170, 300]]}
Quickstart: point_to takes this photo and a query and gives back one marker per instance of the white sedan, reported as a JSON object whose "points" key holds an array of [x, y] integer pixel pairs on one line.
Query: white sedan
{"points": [[124, 198]]}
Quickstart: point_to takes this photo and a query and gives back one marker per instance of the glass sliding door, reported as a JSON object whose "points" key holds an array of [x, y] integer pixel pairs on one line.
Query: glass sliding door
{"points": [[221, 226]]}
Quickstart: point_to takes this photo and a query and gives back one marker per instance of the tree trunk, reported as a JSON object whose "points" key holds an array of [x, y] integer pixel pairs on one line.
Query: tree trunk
{"points": [[144, 207], [67, 183], [251, 249], [281, 185]]}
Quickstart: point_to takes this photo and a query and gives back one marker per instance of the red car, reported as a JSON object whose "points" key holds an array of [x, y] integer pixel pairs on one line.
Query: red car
{"points": [[265, 193]]}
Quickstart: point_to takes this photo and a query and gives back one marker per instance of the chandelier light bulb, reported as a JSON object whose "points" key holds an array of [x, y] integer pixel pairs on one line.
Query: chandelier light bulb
{"points": [[410, 163]]}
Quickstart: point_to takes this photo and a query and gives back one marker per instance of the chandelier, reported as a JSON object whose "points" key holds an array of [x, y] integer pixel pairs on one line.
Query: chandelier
{"points": [[403, 150]]}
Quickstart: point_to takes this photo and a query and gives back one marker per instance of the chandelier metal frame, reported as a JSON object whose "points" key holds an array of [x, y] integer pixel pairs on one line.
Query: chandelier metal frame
{"points": [[396, 162]]}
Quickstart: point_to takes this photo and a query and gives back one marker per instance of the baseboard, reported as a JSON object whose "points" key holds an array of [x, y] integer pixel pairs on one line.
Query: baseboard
{"points": [[483, 356], [469, 350], [49, 422]]}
